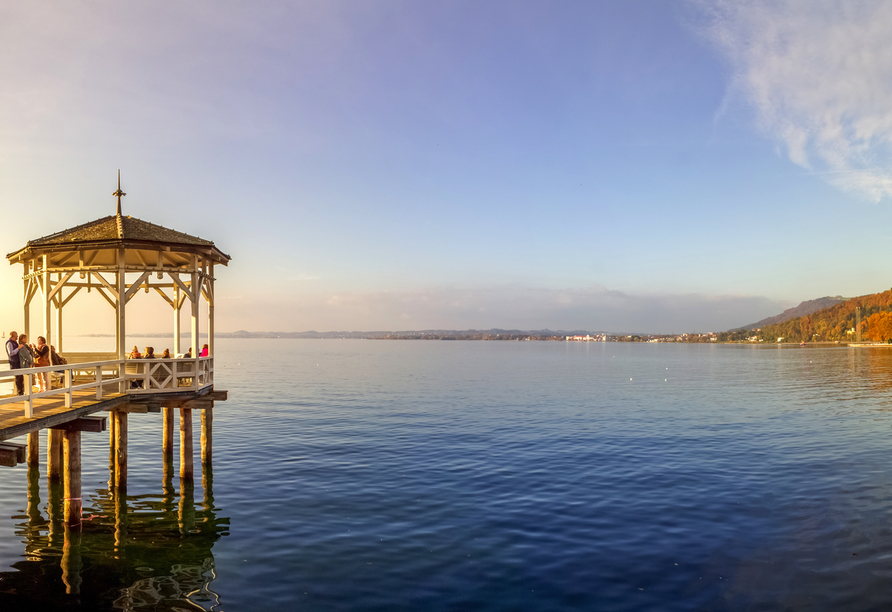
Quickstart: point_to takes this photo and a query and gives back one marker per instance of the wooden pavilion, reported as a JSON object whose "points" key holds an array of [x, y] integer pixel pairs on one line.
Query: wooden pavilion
{"points": [[117, 256]]}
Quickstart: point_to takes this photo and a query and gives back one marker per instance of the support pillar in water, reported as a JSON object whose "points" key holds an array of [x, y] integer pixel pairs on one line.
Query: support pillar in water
{"points": [[207, 435], [186, 470], [54, 454], [71, 560], [34, 449], [167, 444], [72, 459], [120, 427]]}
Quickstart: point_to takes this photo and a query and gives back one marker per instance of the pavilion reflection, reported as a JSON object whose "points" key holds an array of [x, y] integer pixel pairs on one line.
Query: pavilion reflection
{"points": [[150, 551]]}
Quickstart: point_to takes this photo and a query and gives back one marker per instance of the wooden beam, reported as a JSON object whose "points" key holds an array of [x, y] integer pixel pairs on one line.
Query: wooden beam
{"points": [[219, 396], [114, 291], [8, 457], [164, 295], [20, 450], [60, 283], [176, 279], [110, 301], [92, 424], [73, 293], [128, 295]]}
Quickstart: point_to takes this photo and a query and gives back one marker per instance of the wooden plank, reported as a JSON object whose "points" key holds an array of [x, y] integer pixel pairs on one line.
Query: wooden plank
{"points": [[21, 451], [52, 411], [8, 457], [218, 396], [92, 424]]}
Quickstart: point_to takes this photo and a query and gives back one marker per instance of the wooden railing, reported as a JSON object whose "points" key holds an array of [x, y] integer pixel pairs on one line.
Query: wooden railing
{"points": [[137, 376]]}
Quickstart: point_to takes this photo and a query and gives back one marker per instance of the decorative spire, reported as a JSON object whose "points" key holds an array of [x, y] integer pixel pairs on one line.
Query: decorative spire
{"points": [[119, 193]]}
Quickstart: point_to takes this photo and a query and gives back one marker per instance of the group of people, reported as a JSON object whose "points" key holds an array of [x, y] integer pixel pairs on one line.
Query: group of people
{"points": [[150, 353], [22, 355]]}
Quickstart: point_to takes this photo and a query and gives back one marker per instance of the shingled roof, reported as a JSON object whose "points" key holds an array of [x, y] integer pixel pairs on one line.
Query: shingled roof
{"points": [[114, 228]]}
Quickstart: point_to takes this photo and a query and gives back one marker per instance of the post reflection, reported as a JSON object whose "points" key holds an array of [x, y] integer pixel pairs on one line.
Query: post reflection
{"points": [[147, 551]]}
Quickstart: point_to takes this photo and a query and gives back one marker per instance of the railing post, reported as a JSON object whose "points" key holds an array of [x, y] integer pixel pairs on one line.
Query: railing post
{"points": [[29, 401], [197, 373], [99, 381], [68, 397]]}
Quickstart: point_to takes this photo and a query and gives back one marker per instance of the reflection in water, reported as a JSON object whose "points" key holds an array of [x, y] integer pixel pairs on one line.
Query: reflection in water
{"points": [[135, 552]]}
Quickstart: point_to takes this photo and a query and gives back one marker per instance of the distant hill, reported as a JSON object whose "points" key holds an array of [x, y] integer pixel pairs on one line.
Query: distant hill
{"points": [[835, 324], [805, 308]]}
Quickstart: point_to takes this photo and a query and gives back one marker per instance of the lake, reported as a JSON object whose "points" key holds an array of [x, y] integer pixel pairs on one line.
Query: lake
{"points": [[429, 475]]}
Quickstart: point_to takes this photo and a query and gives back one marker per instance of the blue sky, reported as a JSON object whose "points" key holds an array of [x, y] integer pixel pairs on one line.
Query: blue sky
{"points": [[626, 166]]}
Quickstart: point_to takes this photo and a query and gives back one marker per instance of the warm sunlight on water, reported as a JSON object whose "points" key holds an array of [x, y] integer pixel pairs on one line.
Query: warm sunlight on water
{"points": [[385, 475]]}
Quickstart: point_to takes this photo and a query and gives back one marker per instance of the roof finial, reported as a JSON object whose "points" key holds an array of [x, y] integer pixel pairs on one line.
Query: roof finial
{"points": [[119, 193]]}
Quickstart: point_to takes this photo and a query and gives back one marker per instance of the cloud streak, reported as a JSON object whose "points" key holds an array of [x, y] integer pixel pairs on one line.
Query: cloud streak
{"points": [[819, 76], [594, 308]]}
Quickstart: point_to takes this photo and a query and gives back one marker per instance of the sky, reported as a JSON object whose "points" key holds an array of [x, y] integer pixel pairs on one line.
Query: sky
{"points": [[647, 166]]}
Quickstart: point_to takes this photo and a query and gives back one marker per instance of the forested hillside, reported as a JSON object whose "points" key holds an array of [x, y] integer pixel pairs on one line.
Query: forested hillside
{"points": [[830, 324]]}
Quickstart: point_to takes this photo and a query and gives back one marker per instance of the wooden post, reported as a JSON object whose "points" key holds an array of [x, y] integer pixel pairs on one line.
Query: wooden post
{"points": [[120, 452], [121, 303], [186, 470], [34, 449], [27, 303], [196, 303], [47, 303], [167, 443], [211, 312], [207, 435], [54, 454], [59, 322], [73, 503], [72, 563], [176, 320], [111, 454]]}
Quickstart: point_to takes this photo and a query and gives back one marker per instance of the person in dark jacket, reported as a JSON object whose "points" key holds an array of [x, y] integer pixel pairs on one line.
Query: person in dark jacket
{"points": [[12, 352]]}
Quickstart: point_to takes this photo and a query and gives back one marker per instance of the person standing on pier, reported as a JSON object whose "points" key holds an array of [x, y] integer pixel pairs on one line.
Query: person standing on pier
{"points": [[43, 360], [12, 352], [26, 359]]}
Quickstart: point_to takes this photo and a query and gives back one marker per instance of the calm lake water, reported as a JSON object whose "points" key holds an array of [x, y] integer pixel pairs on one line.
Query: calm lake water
{"points": [[424, 475]]}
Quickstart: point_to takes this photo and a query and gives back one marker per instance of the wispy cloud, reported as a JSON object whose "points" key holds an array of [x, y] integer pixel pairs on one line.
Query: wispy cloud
{"points": [[819, 75], [510, 307]]}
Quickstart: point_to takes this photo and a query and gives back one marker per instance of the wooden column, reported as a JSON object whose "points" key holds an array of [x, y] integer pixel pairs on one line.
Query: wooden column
{"points": [[207, 436], [120, 452], [211, 299], [167, 442], [196, 302], [34, 449], [58, 321], [176, 320], [72, 455], [54, 454], [47, 303], [26, 303], [186, 469], [72, 562], [120, 312]]}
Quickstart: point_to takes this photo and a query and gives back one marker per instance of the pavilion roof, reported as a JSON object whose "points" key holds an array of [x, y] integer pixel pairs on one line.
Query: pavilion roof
{"points": [[117, 230]]}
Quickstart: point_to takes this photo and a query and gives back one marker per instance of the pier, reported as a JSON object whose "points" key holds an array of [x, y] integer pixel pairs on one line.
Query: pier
{"points": [[117, 257]]}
